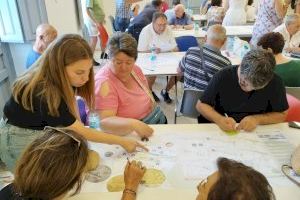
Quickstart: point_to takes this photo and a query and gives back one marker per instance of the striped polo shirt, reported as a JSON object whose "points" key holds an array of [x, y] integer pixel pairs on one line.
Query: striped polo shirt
{"points": [[191, 66]]}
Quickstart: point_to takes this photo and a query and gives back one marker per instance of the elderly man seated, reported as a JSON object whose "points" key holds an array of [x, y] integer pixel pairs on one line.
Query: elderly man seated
{"points": [[200, 64], [45, 34], [251, 94], [159, 37], [290, 30], [180, 20]]}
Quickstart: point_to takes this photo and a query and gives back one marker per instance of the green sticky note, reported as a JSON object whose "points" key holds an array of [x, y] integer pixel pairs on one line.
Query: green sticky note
{"points": [[231, 132]]}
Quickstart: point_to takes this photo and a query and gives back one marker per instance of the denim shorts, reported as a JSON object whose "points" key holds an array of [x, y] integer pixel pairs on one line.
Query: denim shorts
{"points": [[13, 140]]}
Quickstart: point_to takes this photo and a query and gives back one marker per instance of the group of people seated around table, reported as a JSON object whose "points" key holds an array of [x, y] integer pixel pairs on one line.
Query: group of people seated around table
{"points": [[54, 165], [42, 114]]}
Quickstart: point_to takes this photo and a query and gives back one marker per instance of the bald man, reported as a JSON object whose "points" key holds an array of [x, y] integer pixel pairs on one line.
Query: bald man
{"points": [[181, 20], [45, 34], [197, 76]]}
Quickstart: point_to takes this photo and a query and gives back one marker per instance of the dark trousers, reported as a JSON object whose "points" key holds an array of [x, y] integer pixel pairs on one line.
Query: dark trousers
{"points": [[121, 24]]}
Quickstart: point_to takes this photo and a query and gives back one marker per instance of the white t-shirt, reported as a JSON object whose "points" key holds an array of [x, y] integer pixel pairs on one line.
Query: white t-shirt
{"points": [[149, 38], [288, 42]]}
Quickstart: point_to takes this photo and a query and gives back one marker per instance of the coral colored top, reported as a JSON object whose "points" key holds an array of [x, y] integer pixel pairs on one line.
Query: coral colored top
{"points": [[129, 103]]}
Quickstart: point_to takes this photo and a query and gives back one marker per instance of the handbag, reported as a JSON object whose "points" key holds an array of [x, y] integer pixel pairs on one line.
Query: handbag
{"points": [[156, 116]]}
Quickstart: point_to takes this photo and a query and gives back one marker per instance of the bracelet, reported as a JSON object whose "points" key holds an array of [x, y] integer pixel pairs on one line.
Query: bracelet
{"points": [[129, 191]]}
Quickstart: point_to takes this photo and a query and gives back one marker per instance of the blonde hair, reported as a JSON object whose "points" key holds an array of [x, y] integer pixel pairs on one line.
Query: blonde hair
{"points": [[51, 166], [48, 80]]}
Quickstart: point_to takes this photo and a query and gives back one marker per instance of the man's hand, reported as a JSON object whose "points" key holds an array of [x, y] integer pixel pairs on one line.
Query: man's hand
{"points": [[248, 124], [226, 123]]}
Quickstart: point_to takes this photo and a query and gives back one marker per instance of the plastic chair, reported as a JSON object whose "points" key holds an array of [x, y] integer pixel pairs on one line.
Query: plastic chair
{"points": [[188, 105], [112, 21], [294, 91], [294, 109], [185, 42]]}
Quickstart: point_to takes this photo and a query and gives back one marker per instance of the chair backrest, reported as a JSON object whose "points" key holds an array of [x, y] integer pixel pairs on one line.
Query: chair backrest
{"points": [[189, 101], [294, 91], [112, 21], [185, 42]]}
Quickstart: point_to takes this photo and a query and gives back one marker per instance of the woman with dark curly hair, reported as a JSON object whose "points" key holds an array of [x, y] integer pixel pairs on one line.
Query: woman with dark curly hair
{"points": [[286, 68], [234, 180]]}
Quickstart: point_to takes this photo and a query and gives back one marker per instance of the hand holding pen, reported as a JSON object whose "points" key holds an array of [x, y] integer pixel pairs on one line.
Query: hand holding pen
{"points": [[226, 123]]}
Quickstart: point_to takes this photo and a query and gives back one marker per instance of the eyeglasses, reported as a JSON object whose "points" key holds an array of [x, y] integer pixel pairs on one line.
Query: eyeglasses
{"points": [[287, 171], [61, 130]]}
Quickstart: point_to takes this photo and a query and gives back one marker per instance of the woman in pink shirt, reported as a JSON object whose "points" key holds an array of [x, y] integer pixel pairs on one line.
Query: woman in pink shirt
{"points": [[122, 94]]}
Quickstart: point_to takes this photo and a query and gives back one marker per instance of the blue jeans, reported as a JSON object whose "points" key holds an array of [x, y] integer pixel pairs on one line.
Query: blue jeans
{"points": [[121, 24]]}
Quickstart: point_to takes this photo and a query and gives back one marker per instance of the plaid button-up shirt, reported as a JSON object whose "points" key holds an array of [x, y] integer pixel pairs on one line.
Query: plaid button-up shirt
{"points": [[122, 10]]}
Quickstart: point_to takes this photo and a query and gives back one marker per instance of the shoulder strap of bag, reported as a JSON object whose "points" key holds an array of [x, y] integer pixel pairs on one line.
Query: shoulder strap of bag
{"points": [[143, 86], [203, 65]]}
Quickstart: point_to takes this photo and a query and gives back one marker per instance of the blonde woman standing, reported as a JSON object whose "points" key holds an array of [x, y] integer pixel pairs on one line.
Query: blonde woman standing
{"points": [[45, 96]]}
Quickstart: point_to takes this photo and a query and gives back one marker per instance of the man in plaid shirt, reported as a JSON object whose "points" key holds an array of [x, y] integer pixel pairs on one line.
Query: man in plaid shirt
{"points": [[122, 18]]}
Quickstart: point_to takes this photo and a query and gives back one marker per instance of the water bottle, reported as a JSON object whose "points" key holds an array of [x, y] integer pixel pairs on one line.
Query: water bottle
{"points": [[244, 50], [94, 120], [230, 44], [196, 28], [153, 56]]}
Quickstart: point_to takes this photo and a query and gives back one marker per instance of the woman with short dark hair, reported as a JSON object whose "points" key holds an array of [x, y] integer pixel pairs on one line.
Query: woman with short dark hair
{"points": [[234, 180], [286, 68], [123, 98]]}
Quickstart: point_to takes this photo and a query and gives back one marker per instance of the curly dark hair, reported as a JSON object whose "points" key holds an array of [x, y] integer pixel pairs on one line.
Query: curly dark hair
{"points": [[272, 40], [238, 181]]}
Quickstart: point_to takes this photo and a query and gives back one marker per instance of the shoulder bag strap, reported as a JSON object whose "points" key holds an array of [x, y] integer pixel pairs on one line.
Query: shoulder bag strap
{"points": [[134, 75], [203, 65]]}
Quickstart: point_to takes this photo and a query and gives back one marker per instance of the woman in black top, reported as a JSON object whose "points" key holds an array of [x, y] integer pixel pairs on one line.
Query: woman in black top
{"points": [[45, 96]]}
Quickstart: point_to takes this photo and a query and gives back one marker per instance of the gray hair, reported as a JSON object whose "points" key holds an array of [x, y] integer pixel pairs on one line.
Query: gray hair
{"points": [[216, 32], [157, 15], [258, 67], [291, 19], [122, 42]]}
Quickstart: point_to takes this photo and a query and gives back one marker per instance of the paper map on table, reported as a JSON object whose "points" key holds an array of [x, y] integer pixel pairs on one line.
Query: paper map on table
{"points": [[194, 155]]}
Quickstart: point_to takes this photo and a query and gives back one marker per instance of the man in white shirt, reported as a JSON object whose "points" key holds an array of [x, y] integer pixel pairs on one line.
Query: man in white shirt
{"points": [[159, 37], [290, 30]]}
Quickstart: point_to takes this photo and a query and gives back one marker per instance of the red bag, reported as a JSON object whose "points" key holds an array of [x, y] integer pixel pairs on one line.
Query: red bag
{"points": [[103, 36]]}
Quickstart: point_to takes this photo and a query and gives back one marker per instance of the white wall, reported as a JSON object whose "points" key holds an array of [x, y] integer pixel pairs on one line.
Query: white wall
{"points": [[63, 16]]}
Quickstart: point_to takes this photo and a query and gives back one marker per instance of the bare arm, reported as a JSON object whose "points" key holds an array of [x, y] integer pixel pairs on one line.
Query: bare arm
{"points": [[270, 118], [101, 137], [90, 15], [249, 123], [225, 123], [281, 8], [188, 27], [123, 126]]}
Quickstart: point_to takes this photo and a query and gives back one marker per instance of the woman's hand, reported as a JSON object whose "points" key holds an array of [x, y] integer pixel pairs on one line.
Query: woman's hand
{"points": [[142, 129], [133, 174], [131, 145]]}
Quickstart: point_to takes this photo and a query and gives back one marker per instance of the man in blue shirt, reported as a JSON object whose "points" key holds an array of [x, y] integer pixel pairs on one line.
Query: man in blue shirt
{"points": [[45, 34], [122, 18], [181, 20]]}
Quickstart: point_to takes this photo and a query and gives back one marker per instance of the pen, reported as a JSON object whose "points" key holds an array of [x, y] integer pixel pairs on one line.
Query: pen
{"points": [[226, 115]]}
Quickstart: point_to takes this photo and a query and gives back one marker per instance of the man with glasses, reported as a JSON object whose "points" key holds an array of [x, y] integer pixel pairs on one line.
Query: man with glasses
{"points": [[158, 37], [251, 94]]}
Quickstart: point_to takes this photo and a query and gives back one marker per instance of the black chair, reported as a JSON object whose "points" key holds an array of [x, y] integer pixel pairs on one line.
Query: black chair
{"points": [[112, 21]]}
